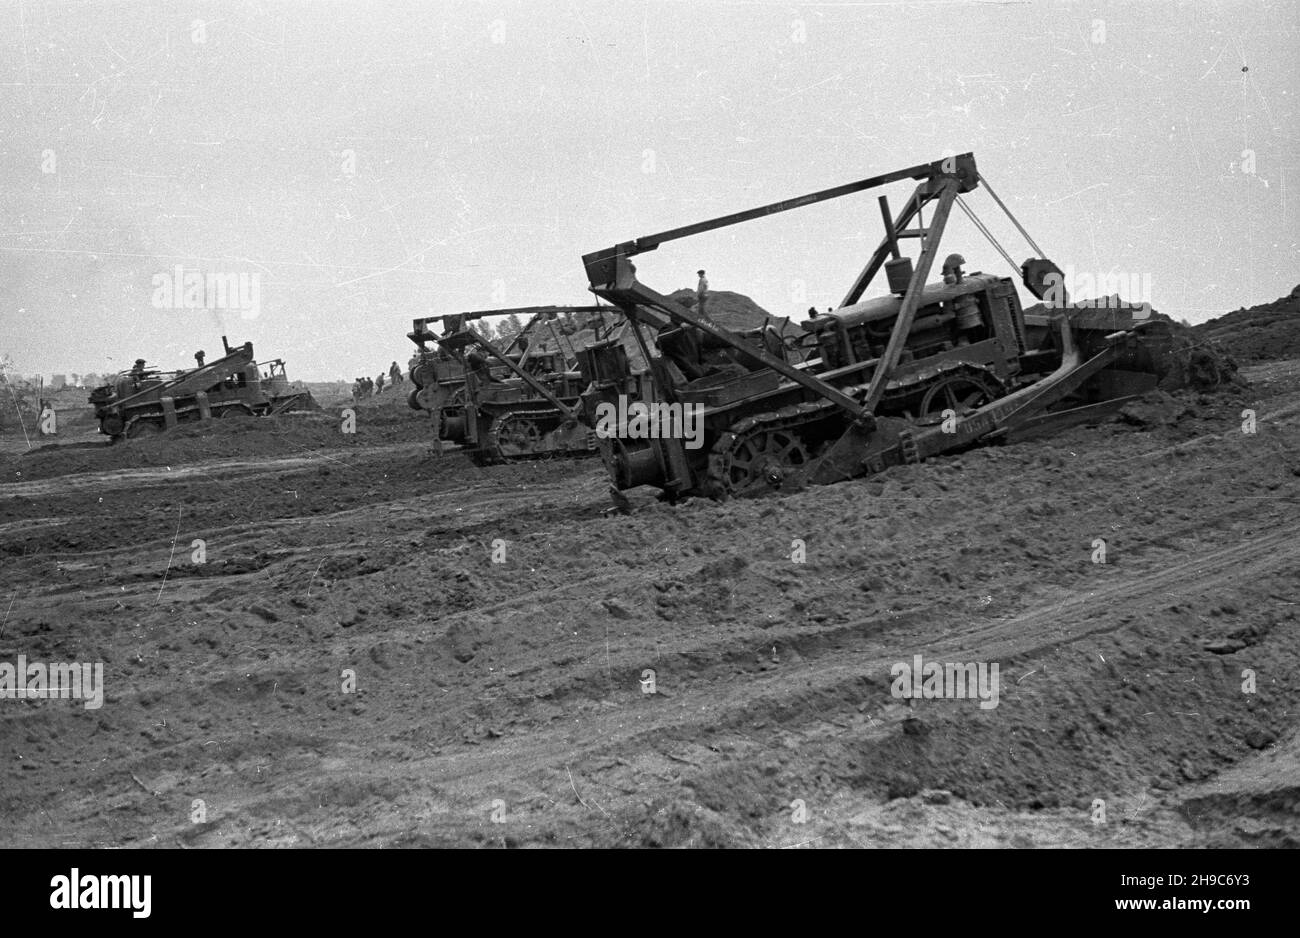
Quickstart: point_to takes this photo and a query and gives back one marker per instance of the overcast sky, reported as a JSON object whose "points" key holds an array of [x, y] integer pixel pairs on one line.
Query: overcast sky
{"points": [[374, 162]]}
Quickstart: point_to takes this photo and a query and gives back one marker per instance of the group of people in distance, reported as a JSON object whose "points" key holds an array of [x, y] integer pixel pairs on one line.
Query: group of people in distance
{"points": [[367, 387]]}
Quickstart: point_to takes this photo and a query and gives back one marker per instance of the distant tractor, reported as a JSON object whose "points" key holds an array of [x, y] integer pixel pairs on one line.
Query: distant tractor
{"points": [[505, 405], [146, 401]]}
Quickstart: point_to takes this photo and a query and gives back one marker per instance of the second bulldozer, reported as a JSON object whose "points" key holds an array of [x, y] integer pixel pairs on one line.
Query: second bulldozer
{"points": [[512, 404]]}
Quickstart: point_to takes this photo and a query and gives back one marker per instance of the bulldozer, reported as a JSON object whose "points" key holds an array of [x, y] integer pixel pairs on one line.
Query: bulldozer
{"points": [[927, 368], [145, 401], [512, 404]]}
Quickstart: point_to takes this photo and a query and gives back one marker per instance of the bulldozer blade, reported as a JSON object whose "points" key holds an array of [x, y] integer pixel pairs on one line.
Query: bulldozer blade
{"points": [[1051, 422], [860, 450], [295, 402]]}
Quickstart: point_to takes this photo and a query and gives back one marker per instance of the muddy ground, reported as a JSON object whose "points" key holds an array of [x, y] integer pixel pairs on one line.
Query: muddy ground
{"points": [[506, 703]]}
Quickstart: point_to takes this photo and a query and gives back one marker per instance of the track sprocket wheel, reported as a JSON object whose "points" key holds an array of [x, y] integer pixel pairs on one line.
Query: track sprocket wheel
{"points": [[755, 460], [959, 393], [518, 432], [511, 436], [144, 427]]}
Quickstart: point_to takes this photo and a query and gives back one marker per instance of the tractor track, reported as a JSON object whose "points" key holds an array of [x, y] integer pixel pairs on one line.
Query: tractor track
{"points": [[715, 704], [712, 708]]}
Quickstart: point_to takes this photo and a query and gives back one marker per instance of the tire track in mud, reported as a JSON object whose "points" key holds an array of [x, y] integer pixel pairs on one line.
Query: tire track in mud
{"points": [[710, 657], [1040, 629], [719, 708], [416, 513], [498, 503], [209, 471]]}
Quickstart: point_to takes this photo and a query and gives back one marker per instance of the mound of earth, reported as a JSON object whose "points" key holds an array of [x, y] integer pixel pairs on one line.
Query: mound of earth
{"points": [[1187, 360], [585, 337], [1114, 301], [1267, 332], [735, 311]]}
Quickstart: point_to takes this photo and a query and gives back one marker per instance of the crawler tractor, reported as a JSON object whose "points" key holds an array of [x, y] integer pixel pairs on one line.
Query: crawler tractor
{"points": [[926, 369], [147, 401], [519, 403]]}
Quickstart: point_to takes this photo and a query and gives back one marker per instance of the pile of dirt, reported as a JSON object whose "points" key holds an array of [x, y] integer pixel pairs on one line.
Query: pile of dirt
{"points": [[1114, 301], [1268, 332], [585, 337], [1158, 409], [735, 311], [1185, 358]]}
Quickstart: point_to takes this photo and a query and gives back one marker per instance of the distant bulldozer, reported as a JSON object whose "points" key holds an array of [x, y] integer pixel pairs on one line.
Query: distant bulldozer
{"points": [[145, 401], [516, 403]]}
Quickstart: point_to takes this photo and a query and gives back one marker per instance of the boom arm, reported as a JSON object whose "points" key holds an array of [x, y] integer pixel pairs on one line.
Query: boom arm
{"points": [[962, 167], [200, 379], [612, 275], [421, 333]]}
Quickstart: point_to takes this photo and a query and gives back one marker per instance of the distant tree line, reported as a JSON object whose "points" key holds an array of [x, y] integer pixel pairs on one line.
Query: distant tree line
{"points": [[502, 331]]}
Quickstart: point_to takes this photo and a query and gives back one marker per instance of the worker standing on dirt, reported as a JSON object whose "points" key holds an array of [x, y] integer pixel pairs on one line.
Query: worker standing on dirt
{"points": [[701, 292], [379, 384], [394, 375]]}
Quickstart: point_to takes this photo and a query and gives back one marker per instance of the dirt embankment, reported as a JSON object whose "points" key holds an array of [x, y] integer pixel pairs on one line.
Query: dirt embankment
{"points": [[1268, 332]]}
